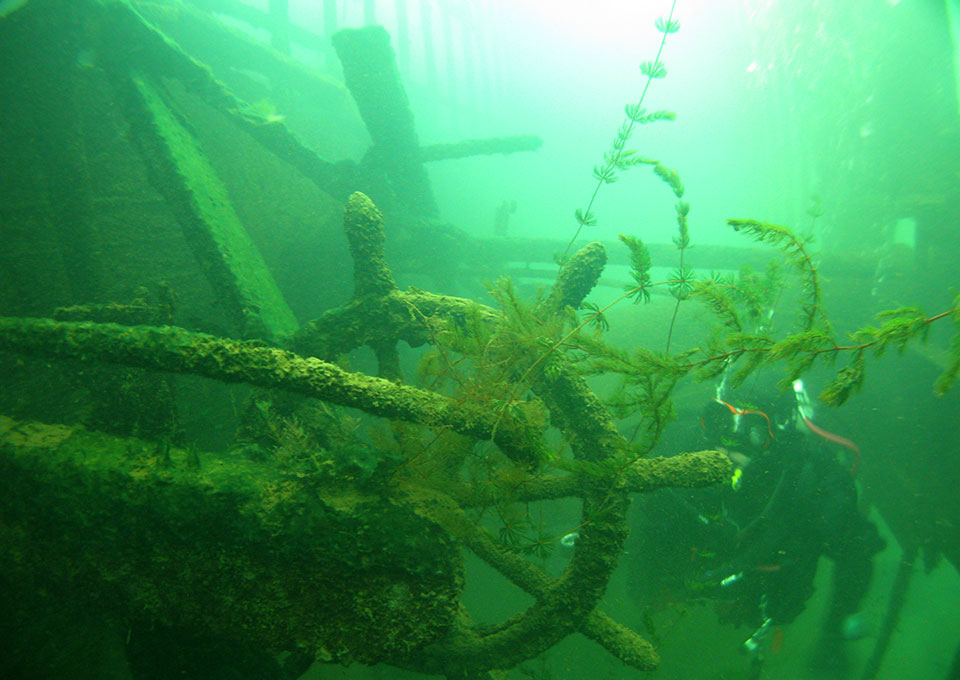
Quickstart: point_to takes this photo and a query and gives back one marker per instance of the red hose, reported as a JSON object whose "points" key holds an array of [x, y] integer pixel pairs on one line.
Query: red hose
{"points": [[842, 441]]}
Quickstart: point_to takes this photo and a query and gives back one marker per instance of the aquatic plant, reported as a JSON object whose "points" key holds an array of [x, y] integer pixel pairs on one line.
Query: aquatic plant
{"points": [[618, 158], [743, 340], [731, 298], [815, 338]]}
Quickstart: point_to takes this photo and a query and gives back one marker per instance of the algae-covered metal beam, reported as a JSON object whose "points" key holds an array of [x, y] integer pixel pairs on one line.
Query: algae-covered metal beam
{"points": [[704, 256], [689, 470], [378, 313], [255, 17], [227, 49], [226, 46], [251, 551], [543, 250], [180, 171], [135, 43], [479, 147], [370, 73], [181, 351], [623, 643]]}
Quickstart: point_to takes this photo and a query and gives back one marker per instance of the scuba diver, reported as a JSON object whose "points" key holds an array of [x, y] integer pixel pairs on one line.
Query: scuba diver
{"points": [[753, 544]]}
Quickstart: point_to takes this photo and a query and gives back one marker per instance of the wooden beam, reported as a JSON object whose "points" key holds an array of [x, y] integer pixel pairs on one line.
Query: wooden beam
{"points": [[370, 73], [181, 173], [701, 256], [479, 147]]}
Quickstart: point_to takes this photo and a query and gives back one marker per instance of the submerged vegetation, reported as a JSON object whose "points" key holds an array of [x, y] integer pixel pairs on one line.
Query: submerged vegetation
{"points": [[500, 416], [618, 158], [743, 305]]}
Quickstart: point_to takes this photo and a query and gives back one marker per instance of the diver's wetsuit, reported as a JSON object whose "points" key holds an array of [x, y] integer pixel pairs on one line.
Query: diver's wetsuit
{"points": [[795, 503], [762, 541]]}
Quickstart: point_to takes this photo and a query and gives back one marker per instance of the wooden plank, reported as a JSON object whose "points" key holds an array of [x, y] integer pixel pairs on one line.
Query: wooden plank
{"points": [[703, 256], [180, 171]]}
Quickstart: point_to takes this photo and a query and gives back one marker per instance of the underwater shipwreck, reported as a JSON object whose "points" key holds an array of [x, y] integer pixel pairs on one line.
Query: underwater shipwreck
{"points": [[226, 430]]}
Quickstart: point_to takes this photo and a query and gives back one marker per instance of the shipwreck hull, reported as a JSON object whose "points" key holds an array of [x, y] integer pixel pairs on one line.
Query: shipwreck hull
{"points": [[226, 545]]}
